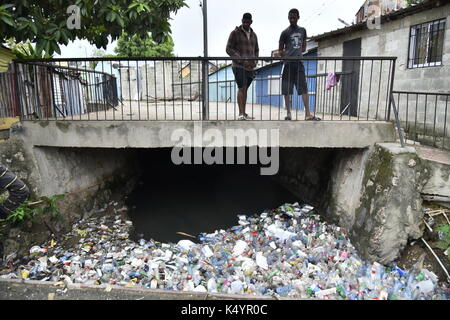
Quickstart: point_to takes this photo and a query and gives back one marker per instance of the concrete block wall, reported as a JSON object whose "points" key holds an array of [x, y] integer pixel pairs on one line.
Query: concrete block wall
{"points": [[393, 40], [161, 80]]}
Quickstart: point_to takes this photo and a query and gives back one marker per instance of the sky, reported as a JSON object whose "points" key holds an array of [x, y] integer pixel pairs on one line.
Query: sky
{"points": [[269, 20]]}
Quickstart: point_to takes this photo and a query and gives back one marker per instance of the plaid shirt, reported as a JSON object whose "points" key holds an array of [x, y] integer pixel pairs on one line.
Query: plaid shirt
{"points": [[240, 45]]}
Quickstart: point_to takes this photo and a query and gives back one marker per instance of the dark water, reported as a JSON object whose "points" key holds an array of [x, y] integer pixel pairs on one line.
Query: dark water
{"points": [[197, 198]]}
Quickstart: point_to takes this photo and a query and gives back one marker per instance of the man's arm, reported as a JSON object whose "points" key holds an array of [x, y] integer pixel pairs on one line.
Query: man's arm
{"points": [[304, 42], [231, 46], [280, 52]]}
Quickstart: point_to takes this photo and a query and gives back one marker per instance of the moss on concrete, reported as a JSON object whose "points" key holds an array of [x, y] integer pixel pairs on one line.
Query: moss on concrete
{"points": [[63, 126]]}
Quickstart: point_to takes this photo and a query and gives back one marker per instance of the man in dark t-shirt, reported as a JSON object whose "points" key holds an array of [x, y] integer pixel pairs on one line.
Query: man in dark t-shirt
{"points": [[292, 44]]}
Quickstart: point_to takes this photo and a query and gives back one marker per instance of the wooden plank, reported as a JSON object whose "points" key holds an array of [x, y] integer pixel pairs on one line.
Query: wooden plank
{"points": [[6, 123]]}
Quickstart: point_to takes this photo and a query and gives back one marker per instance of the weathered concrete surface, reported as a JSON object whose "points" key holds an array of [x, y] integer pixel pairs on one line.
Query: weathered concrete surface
{"points": [[159, 134], [306, 172], [87, 179], [437, 188], [391, 206], [375, 197], [344, 189], [38, 290]]}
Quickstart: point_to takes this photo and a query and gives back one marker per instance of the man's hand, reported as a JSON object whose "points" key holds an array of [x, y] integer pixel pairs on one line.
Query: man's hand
{"points": [[278, 53]]}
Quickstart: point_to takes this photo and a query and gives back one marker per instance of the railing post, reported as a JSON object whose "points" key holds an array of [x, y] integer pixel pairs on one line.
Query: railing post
{"points": [[205, 73], [391, 89], [397, 120], [205, 89], [16, 85]]}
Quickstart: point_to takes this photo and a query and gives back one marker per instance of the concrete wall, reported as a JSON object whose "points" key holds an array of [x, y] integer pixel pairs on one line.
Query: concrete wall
{"points": [[88, 179], [393, 40], [374, 194], [158, 134], [160, 80]]}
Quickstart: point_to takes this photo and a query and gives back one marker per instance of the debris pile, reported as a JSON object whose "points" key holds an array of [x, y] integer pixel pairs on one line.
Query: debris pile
{"points": [[287, 252]]}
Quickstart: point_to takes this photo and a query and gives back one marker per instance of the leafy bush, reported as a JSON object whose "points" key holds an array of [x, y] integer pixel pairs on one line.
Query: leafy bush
{"points": [[444, 244], [26, 212]]}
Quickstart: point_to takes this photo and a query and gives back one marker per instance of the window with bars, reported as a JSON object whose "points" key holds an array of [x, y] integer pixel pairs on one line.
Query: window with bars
{"points": [[426, 44]]}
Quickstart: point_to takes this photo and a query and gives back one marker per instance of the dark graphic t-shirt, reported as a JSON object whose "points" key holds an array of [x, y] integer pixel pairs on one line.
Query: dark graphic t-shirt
{"points": [[292, 39]]}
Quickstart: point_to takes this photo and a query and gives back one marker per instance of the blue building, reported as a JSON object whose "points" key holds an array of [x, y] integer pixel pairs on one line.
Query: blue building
{"points": [[223, 88], [266, 88], [268, 84]]}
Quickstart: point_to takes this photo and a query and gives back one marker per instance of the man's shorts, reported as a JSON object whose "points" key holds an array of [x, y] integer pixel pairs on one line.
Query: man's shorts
{"points": [[244, 78], [294, 74]]}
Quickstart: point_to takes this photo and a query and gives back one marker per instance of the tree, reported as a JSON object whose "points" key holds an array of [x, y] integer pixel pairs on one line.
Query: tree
{"points": [[52, 23], [25, 50], [134, 46]]}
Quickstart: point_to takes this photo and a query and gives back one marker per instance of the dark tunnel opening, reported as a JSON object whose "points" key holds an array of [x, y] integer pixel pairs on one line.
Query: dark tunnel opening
{"points": [[194, 199]]}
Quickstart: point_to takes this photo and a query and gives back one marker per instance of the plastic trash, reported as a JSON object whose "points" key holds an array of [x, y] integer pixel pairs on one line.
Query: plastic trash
{"points": [[239, 248], [287, 251], [261, 261], [425, 287], [185, 244]]}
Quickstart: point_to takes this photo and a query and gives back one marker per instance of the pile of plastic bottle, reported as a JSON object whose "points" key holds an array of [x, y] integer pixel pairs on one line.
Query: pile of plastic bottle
{"points": [[287, 253]]}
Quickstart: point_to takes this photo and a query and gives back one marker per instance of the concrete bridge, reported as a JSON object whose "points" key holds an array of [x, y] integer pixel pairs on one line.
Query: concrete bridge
{"points": [[348, 165], [158, 134]]}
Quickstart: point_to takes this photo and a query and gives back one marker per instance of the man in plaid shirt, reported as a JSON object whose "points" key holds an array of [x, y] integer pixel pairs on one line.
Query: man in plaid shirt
{"points": [[243, 42]]}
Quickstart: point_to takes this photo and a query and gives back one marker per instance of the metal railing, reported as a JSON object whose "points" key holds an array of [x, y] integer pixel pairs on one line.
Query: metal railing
{"points": [[425, 118], [9, 106], [172, 89]]}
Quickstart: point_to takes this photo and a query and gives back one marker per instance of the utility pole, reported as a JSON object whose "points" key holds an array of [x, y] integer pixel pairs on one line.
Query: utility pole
{"points": [[205, 82]]}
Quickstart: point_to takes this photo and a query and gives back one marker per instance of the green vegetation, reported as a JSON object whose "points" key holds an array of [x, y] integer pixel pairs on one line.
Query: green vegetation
{"points": [[444, 244], [28, 211], [135, 46], [51, 23]]}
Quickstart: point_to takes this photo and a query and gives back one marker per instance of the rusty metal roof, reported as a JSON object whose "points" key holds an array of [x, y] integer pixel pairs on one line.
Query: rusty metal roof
{"points": [[413, 9]]}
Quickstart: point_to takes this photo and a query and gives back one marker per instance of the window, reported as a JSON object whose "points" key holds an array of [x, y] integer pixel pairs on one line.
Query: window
{"points": [[426, 44], [274, 85]]}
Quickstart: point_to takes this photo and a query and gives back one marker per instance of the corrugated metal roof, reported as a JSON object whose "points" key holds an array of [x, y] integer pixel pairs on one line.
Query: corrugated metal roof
{"points": [[6, 57]]}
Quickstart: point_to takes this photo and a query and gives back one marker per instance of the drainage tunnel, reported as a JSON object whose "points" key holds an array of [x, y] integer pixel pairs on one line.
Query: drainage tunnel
{"points": [[192, 199]]}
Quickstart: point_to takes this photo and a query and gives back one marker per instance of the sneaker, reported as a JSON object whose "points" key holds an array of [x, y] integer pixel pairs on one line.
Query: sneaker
{"points": [[247, 117], [242, 118], [314, 118]]}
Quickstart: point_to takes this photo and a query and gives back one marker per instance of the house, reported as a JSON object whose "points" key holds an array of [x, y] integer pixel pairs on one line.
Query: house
{"points": [[417, 33], [163, 80], [223, 87], [266, 88], [268, 84]]}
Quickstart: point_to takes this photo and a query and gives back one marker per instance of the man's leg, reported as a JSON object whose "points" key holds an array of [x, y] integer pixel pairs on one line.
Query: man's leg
{"points": [[242, 100], [306, 104], [287, 86], [287, 101]]}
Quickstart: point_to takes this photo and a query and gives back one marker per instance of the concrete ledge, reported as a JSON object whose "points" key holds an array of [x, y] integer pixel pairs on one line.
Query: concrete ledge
{"points": [[39, 290], [158, 134]]}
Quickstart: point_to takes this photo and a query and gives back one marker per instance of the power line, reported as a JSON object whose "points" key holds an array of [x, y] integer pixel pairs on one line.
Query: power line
{"points": [[320, 11]]}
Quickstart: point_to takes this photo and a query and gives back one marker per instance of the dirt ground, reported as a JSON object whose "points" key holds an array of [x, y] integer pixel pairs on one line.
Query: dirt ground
{"points": [[418, 255]]}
